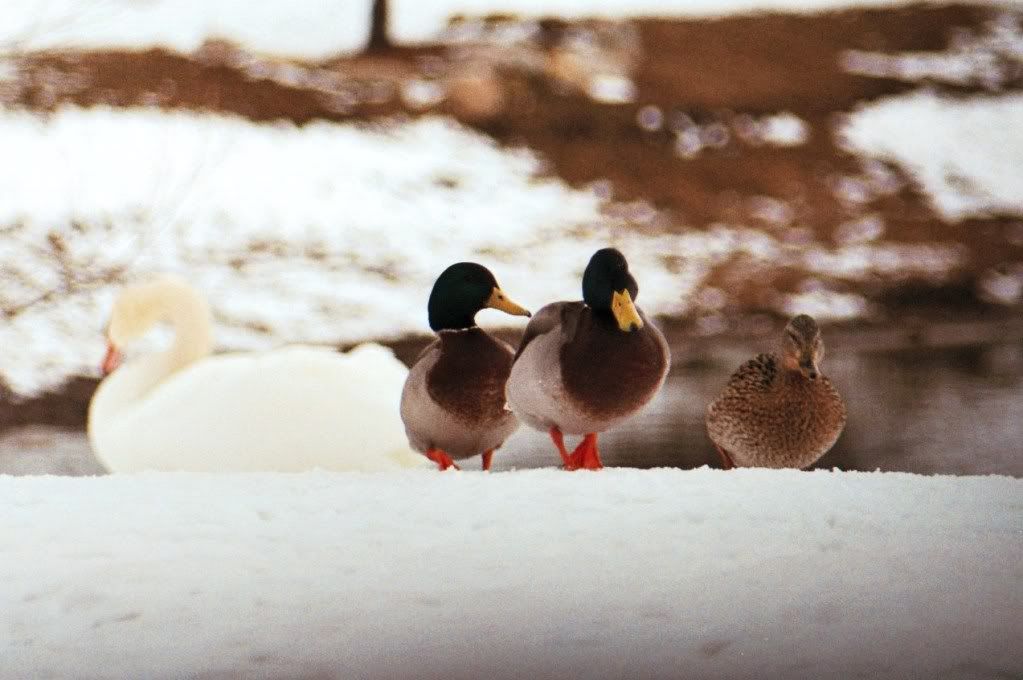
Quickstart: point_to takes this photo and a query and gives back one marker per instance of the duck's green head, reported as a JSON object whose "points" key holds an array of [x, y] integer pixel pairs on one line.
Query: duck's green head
{"points": [[608, 288], [462, 290], [803, 349]]}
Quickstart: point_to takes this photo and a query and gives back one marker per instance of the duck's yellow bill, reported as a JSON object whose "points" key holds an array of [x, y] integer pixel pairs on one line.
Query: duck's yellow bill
{"points": [[625, 312], [498, 300]]}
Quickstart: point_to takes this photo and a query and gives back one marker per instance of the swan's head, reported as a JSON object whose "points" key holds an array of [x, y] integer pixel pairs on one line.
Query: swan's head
{"points": [[142, 306], [462, 290], [803, 349]]}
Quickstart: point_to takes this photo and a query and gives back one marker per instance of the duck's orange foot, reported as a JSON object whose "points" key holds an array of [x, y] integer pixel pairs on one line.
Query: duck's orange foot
{"points": [[488, 458], [586, 455], [442, 459], [726, 460], [567, 459]]}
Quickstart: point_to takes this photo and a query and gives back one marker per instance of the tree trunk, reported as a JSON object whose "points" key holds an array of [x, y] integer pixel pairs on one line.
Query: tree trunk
{"points": [[378, 40]]}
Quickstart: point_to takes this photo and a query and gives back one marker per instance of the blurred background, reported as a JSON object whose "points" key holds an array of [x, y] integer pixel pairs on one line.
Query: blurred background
{"points": [[312, 165]]}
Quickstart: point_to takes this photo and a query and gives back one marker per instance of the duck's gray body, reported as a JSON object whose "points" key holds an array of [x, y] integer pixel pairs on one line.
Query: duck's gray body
{"points": [[575, 373], [453, 399]]}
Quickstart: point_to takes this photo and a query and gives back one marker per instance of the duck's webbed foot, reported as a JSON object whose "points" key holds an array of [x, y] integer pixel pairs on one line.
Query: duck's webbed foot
{"points": [[586, 455], [726, 460], [567, 459], [488, 458], [442, 459]]}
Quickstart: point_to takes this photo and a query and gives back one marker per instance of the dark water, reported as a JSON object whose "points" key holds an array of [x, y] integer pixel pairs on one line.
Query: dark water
{"points": [[953, 411]]}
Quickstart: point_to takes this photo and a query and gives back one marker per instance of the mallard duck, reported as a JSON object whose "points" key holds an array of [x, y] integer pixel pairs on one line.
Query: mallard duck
{"points": [[285, 410], [779, 411], [453, 402], [584, 367]]}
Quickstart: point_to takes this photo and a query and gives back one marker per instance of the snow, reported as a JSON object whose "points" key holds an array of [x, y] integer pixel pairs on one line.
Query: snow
{"points": [[417, 21], [541, 573], [298, 28], [964, 154], [988, 59], [784, 129], [312, 234], [317, 29]]}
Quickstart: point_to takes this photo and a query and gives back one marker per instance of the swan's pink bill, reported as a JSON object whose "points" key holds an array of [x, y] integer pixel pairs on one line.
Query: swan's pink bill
{"points": [[111, 360]]}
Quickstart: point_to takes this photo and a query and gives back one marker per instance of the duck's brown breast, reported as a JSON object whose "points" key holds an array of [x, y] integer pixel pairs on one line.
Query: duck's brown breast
{"points": [[608, 373], [469, 376]]}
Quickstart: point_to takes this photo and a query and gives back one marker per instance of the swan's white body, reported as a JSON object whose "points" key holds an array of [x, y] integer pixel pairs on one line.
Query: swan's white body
{"points": [[287, 410]]}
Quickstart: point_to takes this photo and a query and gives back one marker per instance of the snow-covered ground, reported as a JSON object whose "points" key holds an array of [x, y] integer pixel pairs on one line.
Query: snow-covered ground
{"points": [[334, 232], [965, 154], [990, 57], [316, 29], [530, 574]]}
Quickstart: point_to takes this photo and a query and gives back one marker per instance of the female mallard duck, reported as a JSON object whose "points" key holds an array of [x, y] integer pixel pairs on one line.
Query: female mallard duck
{"points": [[583, 367], [453, 403], [776, 411], [286, 410]]}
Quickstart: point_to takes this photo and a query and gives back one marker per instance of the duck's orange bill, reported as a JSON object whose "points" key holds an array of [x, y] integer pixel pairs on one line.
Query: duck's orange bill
{"points": [[111, 360]]}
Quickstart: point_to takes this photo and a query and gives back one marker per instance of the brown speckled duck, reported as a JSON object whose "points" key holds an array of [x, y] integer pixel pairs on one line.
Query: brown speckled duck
{"points": [[453, 403], [583, 367], [779, 411]]}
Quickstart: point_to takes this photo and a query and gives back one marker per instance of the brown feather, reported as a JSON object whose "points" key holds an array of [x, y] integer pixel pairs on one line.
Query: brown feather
{"points": [[469, 377], [608, 372]]}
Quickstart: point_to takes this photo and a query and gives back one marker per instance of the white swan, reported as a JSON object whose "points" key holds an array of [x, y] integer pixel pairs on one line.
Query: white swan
{"points": [[287, 410]]}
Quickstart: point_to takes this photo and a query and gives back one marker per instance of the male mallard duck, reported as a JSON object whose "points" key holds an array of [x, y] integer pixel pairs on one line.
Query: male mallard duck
{"points": [[583, 367], [453, 403], [779, 411]]}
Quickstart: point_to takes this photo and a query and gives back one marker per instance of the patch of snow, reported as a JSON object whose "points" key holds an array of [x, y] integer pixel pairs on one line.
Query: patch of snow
{"points": [[784, 129], [417, 21], [860, 230], [422, 94], [623, 573], [899, 261], [964, 154], [1004, 286], [781, 129], [824, 304], [987, 60], [317, 29], [311, 234], [612, 89], [302, 28]]}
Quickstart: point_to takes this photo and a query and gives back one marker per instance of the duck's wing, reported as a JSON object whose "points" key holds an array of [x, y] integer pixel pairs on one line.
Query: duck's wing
{"points": [[756, 375], [562, 317]]}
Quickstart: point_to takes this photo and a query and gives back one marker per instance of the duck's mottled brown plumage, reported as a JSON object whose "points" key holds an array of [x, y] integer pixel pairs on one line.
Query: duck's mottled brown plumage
{"points": [[772, 413]]}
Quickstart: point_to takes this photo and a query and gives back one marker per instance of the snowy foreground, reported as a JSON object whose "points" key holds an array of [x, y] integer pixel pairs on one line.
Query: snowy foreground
{"points": [[531, 574]]}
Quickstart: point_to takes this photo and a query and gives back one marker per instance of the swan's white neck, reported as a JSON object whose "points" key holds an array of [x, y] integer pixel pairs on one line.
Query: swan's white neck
{"points": [[189, 316], [169, 301]]}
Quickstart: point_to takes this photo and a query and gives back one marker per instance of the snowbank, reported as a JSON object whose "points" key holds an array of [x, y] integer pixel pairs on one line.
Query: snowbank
{"points": [[533, 574], [964, 153], [416, 21], [324, 233], [315, 29], [311, 29]]}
